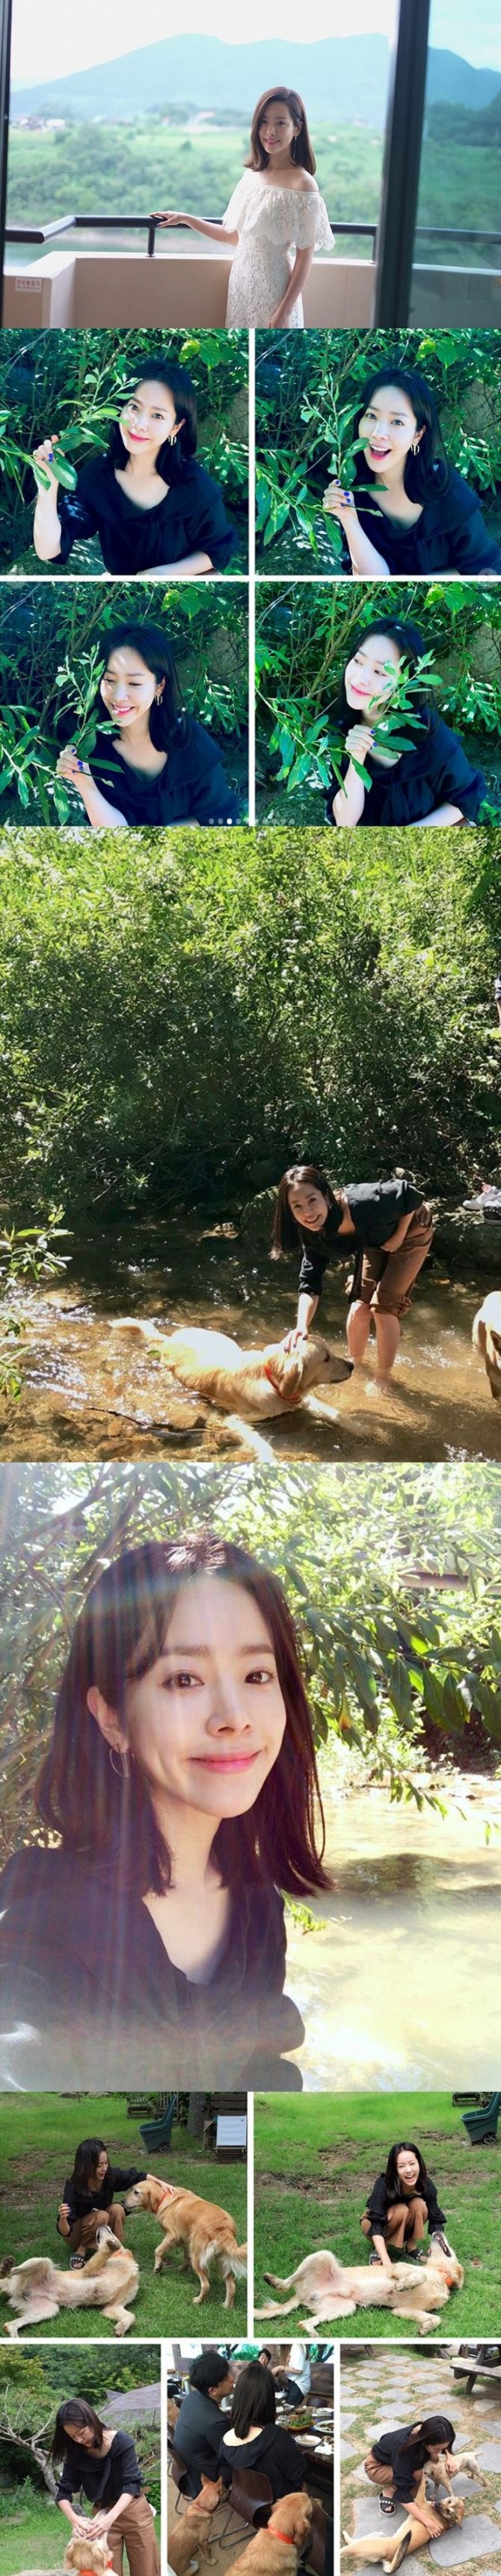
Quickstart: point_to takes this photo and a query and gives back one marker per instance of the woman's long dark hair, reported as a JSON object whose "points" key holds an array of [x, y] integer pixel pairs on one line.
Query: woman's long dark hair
{"points": [[86, 2159], [304, 156], [413, 2448], [118, 1636], [411, 646], [392, 2177], [286, 1226], [176, 381], [74, 2411], [429, 470], [168, 720], [254, 2401]]}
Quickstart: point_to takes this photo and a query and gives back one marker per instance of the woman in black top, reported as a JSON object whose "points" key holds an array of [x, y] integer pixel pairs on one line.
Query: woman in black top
{"points": [[254, 2440], [402, 2204], [181, 1782], [90, 2190], [431, 781], [103, 2465], [162, 767], [388, 1227], [149, 503], [410, 511], [396, 2462]]}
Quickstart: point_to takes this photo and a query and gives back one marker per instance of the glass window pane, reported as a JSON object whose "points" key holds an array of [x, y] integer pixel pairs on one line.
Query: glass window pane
{"points": [[458, 229]]}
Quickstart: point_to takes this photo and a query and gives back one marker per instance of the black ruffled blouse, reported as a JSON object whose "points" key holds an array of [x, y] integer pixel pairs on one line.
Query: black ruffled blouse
{"points": [[435, 772], [450, 536], [190, 519], [191, 787]]}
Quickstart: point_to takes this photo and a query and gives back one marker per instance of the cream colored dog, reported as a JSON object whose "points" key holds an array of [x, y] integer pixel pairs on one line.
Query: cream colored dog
{"points": [[331, 2289], [424, 2522], [261, 1383], [38, 2290], [465, 2464], [487, 1339], [88, 2557], [274, 2550], [206, 2231]]}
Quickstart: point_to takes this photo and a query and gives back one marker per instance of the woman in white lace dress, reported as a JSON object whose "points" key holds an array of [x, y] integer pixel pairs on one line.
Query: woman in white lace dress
{"points": [[275, 219]]}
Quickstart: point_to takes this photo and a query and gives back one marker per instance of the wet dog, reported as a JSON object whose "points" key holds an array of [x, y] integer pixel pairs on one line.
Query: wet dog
{"points": [[37, 2289], [486, 1337], [207, 2233], [331, 2289], [261, 1384]]}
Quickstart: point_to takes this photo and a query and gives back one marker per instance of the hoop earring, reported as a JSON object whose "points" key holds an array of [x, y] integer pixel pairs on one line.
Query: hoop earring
{"points": [[123, 1773], [172, 437], [415, 446]]}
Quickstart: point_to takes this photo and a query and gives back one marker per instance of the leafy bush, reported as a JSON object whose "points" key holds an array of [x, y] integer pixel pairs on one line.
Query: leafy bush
{"points": [[308, 389], [51, 655], [304, 638], [56, 380]]}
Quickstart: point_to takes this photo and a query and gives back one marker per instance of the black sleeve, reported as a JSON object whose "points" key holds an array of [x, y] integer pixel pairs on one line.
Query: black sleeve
{"points": [[314, 1260], [210, 798], [377, 2206], [77, 513], [126, 2461], [471, 547], [436, 2216], [452, 780], [211, 530], [67, 2485], [123, 2177], [67, 2195]]}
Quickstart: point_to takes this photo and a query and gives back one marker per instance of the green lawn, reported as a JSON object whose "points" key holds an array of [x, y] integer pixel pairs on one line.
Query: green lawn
{"points": [[38, 2135], [316, 2157], [32, 2536]]}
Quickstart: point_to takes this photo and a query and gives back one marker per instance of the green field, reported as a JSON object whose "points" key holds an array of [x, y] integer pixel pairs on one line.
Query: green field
{"points": [[33, 2535], [38, 2135], [316, 2157]]}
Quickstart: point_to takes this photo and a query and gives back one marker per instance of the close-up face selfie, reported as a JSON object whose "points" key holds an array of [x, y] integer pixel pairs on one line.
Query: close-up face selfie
{"points": [[250, 1289]]}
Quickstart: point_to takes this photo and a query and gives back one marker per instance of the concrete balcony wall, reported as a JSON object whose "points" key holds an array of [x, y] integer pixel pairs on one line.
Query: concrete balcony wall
{"points": [[464, 299], [103, 290]]}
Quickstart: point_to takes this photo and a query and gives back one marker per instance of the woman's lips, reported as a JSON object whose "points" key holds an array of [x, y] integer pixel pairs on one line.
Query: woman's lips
{"points": [[225, 1761], [380, 454]]}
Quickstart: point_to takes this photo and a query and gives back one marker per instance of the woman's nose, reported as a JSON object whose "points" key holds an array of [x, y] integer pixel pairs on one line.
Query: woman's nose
{"points": [[228, 1714]]}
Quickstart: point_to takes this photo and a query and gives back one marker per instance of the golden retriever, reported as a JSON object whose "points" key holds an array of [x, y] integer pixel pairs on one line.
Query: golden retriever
{"points": [[88, 2557], [274, 2550], [262, 1383], [487, 1339], [331, 2289], [38, 2289], [206, 2231], [424, 2522]]}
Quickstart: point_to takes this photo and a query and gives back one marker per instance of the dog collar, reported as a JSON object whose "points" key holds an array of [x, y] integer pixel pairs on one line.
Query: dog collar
{"points": [[289, 1400], [284, 2535]]}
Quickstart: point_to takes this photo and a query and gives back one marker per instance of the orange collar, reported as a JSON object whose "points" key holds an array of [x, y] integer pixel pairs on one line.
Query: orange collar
{"points": [[289, 1400], [284, 2535]]}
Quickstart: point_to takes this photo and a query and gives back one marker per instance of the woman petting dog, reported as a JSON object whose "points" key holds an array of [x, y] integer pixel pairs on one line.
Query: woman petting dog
{"points": [[182, 1783], [401, 2206], [395, 2463], [89, 2192], [103, 2465], [386, 1225]]}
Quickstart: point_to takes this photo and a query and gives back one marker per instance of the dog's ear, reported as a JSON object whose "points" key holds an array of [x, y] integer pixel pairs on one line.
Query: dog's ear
{"points": [[6, 2266]]}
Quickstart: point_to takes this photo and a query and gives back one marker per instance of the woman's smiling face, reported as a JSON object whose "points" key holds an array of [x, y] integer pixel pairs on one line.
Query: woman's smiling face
{"points": [[388, 428], [407, 2168], [371, 677], [206, 1722], [277, 129], [148, 417], [308, 1206], [128, 688]]}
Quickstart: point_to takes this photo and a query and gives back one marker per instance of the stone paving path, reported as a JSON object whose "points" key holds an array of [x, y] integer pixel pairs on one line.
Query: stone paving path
{"points": [[396, 2388]]}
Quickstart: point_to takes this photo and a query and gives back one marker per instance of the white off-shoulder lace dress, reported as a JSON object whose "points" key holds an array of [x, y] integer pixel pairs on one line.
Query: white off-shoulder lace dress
{"points": [[272, 224]]}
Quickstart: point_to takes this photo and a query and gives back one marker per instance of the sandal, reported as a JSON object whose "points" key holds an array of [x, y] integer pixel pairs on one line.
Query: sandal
{"points": [[77, 2262], [385, 2504]]}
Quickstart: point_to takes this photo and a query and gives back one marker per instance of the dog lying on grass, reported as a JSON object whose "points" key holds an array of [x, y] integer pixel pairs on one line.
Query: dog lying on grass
{"points": [[267, 2555], [331, 2289], [424, 2522], [260, 1384], [207, 2233], [486, 1337], [37, 2289]]}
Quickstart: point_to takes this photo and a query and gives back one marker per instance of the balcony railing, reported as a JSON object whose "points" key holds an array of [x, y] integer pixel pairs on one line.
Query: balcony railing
{"points": [[21, 234]]}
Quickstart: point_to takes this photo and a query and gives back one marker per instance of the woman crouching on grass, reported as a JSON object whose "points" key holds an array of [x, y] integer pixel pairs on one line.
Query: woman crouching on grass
{"points": [[104, 2466], [182, 1786], [90, 2195], [401, 2206]]}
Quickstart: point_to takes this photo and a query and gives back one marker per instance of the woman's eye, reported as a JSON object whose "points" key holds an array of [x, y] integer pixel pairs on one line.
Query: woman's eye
{"points": [[180, 1681], [259, 1675]]}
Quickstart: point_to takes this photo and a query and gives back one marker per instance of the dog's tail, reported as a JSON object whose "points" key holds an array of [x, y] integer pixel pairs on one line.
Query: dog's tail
{"points": [[278, 2307], [234, 2260], [133, 1324]]}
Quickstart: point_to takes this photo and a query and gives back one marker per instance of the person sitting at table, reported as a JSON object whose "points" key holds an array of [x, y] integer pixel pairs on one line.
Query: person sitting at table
{"points": [[254, 2440], [198, 2428]]}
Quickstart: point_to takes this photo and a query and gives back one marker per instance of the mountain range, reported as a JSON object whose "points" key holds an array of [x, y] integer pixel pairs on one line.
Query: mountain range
{"points": [[344, 80]]}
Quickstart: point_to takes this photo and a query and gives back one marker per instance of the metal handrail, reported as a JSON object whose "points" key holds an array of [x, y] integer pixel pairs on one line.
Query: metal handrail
{"points": [[148, 223]]}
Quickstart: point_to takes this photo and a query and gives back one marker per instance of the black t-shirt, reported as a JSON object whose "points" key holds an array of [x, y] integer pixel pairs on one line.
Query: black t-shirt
{"points": [[191, 519], [450, 536], [435, 772], [85, 1974], [381, 2201], [103, 2481], [197, 2437], [192, 785], [275, 2452], [118, 2178], [403, 2471], [375, 1207]]}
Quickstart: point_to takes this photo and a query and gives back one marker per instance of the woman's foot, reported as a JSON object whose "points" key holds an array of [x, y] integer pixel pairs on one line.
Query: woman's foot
{"points": [[385, 2504]]}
